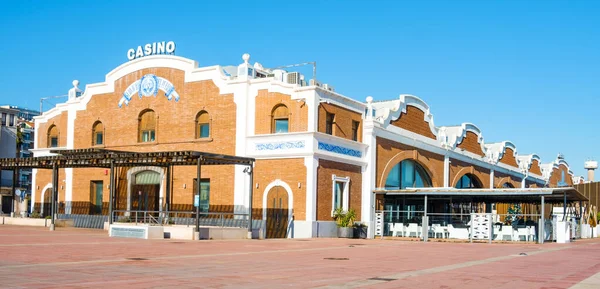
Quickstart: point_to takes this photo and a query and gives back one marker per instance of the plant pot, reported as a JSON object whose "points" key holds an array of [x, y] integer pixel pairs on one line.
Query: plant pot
{"points": [[360, 232], [345, 232]]}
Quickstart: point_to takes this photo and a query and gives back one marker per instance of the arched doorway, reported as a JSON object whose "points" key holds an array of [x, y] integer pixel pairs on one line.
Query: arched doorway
{"points": [[277, 212], [145, 191], [469, 181], [47, 202], [405, 208]]}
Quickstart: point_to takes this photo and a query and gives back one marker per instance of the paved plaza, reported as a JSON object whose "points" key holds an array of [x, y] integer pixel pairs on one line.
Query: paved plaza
{"points": [[32, 257]]}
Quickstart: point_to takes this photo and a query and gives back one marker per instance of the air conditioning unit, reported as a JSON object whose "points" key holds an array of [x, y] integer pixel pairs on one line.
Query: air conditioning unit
{"points": [[293, 77], [314, 82], [328, 87]]}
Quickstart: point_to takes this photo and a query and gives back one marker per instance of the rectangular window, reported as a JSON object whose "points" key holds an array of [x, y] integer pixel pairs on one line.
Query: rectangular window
{"points": [[11, 120], [281, 125], [4, 118], [340, 193], [148, 136], [99, 138], [204, 194], [96, 190], [204, 130], [330, 119], [53, 141], [355, 125]]}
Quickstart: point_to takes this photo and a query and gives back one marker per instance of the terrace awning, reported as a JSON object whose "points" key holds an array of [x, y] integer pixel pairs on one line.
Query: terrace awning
{"points": [[504, 195]]}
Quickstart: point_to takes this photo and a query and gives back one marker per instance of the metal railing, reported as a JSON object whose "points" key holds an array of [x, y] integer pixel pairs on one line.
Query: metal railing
{"points": [[182, 218], [471, 227]]}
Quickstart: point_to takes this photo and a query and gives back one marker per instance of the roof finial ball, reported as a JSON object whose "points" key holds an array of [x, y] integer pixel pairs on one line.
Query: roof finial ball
{"points": [[75, 83], [246, 57], [369, 99]]}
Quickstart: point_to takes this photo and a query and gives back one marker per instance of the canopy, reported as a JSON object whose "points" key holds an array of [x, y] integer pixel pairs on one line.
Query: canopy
{"points": [[504, 195]]}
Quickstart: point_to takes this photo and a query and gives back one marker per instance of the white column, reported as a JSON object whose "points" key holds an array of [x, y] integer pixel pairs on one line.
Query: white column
{"points": [[311, 163], [33, 188], [312, 103], [368, 177], [240, 187], [491, 178], [68, 190], [446, 171]]}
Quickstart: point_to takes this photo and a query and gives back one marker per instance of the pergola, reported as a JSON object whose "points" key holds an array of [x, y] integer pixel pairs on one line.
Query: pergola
{"points": [[505, 195], [111, 159]]}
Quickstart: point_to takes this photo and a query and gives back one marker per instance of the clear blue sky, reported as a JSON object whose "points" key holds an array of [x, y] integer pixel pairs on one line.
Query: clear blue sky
{"points": [[527, 72]]}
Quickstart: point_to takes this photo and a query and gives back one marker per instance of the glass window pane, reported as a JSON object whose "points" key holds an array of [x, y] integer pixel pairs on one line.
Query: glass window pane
{"points": [[54, 142], [408, 174], [151, 135], [281, 125], [204, 130], [339, 189], [99, 138], [393, 179], [145, 136]]}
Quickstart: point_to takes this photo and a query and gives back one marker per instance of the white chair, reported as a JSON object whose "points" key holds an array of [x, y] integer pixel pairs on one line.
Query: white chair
{"points": [[439, 230], [522, 232], [413, 228], [398, 229], [507, 230]]}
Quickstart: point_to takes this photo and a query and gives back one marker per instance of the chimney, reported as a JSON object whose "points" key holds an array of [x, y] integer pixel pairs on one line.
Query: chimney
{"points": [[590, 166]]}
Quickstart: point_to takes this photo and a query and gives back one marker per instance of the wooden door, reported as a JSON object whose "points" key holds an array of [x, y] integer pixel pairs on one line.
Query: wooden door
{"points": [[145, 197], [277, 212], [47, 202]]}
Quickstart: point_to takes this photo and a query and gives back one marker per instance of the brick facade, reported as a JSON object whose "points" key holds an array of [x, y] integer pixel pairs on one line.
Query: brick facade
{"points": [[266, 101], [390, 153], [290, 171], [342, 126], [470, 144], [508, 158], [325, 172], [460, 168], [414, 120], [535, 168]]}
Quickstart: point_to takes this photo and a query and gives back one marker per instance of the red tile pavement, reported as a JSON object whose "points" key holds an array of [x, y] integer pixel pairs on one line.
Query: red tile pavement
{"points": [[33, 257]]}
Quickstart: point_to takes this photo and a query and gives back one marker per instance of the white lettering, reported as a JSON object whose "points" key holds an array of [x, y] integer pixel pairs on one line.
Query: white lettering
{"points": [[151, 49], [170, 47], [160, 48], [139, 52], [131, 54]]}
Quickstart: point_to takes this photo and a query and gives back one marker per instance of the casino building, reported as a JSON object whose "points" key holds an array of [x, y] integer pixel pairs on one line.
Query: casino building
{"points": [[315, 149]]}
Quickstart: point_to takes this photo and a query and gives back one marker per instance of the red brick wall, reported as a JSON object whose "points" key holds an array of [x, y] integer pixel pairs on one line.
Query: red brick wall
{"points": [[460, 168], [509, 158], [325, 185], [414, 120], [266, 101], [342, 126], [389, 153], [535, 168], [470, 144]]}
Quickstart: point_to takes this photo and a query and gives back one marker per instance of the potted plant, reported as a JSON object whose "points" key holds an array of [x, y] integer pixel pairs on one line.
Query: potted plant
{"points": [[345, 222], [360, 231]]}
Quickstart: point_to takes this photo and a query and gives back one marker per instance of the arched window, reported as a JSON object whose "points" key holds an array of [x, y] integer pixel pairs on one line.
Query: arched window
{"points": [[507, 185], [407, 174], [280, 119], [146, 126], [202, 125], [98, 133], [52, 136], [468, 181]]}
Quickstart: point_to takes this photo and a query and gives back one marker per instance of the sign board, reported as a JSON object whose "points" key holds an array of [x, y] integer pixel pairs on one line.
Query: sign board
{"points": [[196, 200], [154, 48]]}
